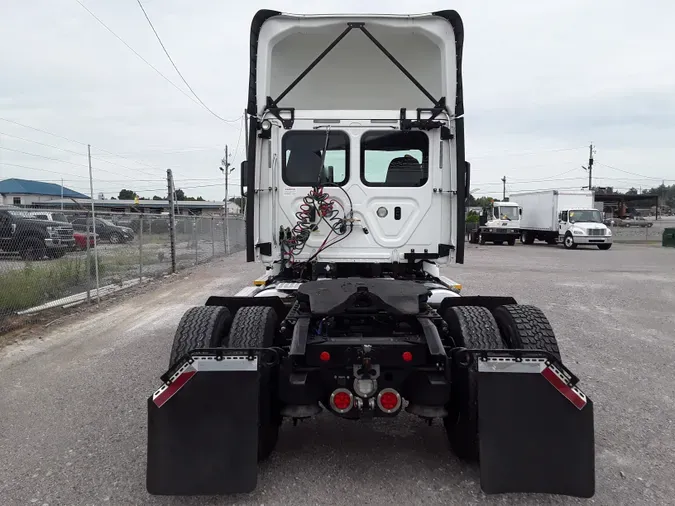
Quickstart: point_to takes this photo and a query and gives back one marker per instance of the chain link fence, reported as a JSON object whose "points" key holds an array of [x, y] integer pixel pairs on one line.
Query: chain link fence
{"points": [[54, 258], [639, 230]]}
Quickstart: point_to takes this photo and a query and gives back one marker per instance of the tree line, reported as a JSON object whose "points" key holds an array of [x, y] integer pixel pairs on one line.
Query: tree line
{"points": [[179, 195]]}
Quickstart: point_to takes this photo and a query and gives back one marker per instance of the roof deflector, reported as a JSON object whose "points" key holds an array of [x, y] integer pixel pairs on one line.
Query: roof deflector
{"points": [[439, 105]]}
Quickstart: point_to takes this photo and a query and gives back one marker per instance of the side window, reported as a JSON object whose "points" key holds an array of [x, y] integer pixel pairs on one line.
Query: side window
{"points": [[563, 216], [4, 219], [302, 154], [394, 158]]}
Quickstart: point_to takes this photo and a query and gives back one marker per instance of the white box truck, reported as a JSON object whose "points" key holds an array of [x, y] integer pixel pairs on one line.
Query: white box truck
{"points": [[567, 216]]}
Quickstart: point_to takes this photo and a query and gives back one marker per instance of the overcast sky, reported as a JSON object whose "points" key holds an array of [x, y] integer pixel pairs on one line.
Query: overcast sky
{"points": [[542, 80]]}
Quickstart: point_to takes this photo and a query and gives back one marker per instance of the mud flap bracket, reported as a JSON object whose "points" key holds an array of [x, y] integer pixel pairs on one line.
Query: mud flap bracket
{"points": [[202, 428], [535, 428]]}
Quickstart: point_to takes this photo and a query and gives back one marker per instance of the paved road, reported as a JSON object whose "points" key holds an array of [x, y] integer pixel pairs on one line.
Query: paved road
{"points": [[72, 405]]}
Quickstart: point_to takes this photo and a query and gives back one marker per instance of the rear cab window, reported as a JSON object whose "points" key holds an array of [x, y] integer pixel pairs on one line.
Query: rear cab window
{"points": [[394, 158], [302, 154]]}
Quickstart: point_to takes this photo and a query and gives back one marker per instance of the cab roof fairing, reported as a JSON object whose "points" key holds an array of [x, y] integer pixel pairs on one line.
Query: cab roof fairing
{"points": [[417, 41]]}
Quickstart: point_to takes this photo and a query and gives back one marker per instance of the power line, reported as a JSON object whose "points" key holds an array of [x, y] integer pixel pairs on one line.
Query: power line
{"points": [[236, 149], [511, 182], [628, 172], [81, 143], [162, 151], [135, 52], [41, 170], [60, 160], [524, 153], [43, 131], [178, 71], [77, 153]]}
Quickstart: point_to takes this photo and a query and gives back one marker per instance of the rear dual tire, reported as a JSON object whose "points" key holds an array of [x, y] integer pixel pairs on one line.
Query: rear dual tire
{"points": [[252, 327], [510, 326], [255, 327], [471, 327], [526, 328]]}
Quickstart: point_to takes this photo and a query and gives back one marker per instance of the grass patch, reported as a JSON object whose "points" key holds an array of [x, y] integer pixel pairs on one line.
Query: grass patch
{"points": [[41, 282]]}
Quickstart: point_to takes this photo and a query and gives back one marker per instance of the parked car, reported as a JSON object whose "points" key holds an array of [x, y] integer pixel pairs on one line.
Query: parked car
{"points": [[105, 229], [637, 221], [33, 238], [81, 240]]}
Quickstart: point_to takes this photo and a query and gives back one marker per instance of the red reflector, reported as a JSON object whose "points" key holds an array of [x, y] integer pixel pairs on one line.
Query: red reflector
{"points": [[324, 356], [407, 356], [569, 393], [176, 385], [342, 400], [389, 400]]}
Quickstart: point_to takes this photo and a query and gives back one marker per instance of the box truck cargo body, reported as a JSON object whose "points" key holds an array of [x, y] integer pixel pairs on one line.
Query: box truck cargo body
{"points": [[563, 216]]}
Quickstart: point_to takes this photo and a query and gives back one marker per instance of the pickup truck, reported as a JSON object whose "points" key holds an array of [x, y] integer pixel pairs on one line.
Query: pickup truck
{"points": [[33, 238]]}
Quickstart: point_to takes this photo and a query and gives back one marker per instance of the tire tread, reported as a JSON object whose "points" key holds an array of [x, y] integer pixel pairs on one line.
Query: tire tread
{"points": [[198, 329], [532, 329]]}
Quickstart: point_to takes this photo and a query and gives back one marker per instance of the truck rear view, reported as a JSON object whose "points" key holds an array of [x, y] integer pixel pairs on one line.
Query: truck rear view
{"points": [[356, 185]]}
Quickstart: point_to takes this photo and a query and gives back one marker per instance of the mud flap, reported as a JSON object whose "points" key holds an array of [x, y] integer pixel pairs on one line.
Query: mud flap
{"points": [[203, 429], [536, 431]]}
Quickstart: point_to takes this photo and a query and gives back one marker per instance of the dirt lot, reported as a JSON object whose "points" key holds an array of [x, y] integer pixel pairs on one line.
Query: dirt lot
{"points": [[73, 423]]}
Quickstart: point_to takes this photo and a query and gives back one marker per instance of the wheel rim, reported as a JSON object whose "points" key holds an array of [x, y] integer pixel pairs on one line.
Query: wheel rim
{"points": [[114, 239], [569, 242]]}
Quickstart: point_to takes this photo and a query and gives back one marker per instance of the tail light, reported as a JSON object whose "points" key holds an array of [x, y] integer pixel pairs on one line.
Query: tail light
{"points": [[389, 400], [341, 400]]}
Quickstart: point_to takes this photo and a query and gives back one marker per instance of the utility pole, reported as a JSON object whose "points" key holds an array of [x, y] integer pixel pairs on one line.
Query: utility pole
{"points": [[226, 171], [590, 167], [504, 191]]}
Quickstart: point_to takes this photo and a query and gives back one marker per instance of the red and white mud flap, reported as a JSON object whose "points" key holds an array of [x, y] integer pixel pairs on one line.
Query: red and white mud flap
{"points": [[536, 432], [203, 429]]}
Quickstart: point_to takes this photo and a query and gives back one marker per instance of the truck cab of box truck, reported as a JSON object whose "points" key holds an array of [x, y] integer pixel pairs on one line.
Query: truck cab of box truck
{"points": [[499, 223], [583, 226]]}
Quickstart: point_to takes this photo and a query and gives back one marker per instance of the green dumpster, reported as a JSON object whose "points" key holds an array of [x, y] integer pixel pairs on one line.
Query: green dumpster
{"points": [[669, 237]]}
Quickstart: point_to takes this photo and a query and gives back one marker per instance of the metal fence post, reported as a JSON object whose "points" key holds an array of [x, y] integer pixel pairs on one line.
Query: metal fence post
{"points": [[172, 220], [213, 240], [88, 238], [140, 251], [194, 238]]}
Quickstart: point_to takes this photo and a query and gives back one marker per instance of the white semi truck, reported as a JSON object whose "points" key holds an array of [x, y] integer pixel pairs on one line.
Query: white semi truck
{"points": [[356, 184], [562, 216]]}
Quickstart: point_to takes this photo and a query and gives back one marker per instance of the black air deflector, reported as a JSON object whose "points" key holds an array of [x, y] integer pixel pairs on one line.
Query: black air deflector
{"points": [[363, 296]]}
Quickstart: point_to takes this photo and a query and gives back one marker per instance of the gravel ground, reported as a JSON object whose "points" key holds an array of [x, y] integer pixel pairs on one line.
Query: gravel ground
{"points": [[72, 416]]}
